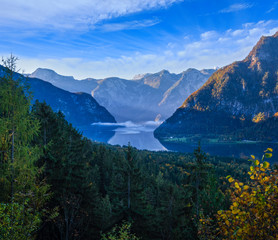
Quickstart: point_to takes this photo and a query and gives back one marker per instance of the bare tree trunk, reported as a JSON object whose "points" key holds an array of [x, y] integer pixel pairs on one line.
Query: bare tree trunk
{"points": [[128, 191], [197, 194], [44, 135], [12, 160], [67, 224]]}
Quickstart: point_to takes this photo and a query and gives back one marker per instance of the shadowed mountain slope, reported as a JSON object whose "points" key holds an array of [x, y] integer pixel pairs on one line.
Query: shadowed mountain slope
{"points": [[146, 97], [235, 98], [79, 108]]}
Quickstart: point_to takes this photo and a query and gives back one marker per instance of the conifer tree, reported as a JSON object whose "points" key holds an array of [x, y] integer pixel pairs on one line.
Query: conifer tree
{"points": [[66, 166], [133, 181], [23, 195]]}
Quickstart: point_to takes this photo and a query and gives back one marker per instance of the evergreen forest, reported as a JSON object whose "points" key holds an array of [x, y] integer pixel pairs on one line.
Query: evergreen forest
{"points": [[56, 184]]}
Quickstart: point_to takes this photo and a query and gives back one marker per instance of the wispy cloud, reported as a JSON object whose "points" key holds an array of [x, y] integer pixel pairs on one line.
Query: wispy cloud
{"points": [[212, 49], [70, 14], [236, 7], [208, 35], [225, 47], [272, 8], [112, 27]]}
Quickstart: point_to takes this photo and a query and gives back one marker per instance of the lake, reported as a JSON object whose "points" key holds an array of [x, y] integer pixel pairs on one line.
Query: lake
{"points": [[140, 135]]}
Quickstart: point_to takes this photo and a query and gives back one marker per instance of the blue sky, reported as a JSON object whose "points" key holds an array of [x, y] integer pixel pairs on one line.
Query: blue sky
{"points": [[102, 38]]}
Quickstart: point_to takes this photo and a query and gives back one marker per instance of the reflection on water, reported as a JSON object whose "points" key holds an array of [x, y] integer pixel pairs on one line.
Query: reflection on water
{"points": [[98, 133], [141, 137], [238, 150]]}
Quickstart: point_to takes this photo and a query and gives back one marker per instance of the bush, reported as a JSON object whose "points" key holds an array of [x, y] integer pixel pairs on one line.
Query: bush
{"points": [[253, 213]]}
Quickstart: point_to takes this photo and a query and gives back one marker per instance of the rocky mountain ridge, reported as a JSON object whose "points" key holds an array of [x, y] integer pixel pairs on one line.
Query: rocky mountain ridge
{"points": [[146, 97], [232, 98]]}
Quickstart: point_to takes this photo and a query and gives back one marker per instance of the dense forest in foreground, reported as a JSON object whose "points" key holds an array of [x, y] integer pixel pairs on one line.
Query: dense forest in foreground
{"points": [[56, 184]]}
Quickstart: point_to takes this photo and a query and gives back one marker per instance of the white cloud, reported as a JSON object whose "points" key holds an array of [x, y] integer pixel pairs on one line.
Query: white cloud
{"points": [[270, 10], [111, 27], [223, 49], [223, 39], [237, 32], [70, 14], [236, 7], [208, 35], [273, 8]]}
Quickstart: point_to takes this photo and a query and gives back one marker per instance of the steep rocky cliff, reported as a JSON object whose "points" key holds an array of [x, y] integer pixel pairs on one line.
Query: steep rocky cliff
{"points": [[146, 97], [235, 98]]}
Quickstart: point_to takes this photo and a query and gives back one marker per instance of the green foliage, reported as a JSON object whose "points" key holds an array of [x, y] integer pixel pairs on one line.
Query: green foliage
{"points": [[18, 221], [65, 164], [122, 232], [94, 186], [254, 210], [252, 213], [23, 193]]}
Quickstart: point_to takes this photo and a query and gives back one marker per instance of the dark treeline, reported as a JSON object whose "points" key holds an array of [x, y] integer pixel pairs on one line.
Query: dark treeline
{"points": [[56, 184], [97, 186]]}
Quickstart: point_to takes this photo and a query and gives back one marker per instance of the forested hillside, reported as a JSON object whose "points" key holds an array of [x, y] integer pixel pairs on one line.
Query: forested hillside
{"points": [[56, 184], [79, 108], [238, 102]]}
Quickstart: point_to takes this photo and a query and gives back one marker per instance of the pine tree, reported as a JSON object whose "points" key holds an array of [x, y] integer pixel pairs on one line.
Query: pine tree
{"points": [[20, 186], [66, 161], [199, 176]]}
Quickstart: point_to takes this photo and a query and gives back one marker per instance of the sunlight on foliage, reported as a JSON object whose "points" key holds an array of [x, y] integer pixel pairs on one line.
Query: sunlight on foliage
{"points": [[120, 233], [253, 213], [259, 117]]}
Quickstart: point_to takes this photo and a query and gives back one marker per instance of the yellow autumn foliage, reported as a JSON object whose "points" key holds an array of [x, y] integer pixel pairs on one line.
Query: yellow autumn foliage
{"points": [[253, 213], [259, 117]]}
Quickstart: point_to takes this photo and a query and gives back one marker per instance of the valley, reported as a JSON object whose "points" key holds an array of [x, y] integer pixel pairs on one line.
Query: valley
{"points": [[232, 109], [138, 120]]}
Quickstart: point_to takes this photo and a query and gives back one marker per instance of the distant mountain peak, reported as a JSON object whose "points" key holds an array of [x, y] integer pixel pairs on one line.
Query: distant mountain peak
{"points": [[46, 74], [140, 76], [164, 71], [144, 97], [191, 69], [45, 70], [144, 75]]}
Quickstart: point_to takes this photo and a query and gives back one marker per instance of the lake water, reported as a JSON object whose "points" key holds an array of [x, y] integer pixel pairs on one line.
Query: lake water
{"points": [[140, 135], [243, 149]]}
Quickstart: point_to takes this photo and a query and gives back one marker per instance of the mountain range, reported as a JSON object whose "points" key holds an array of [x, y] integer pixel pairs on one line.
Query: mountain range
{"points": [[145, 97], [239, 101], [79, 108]]}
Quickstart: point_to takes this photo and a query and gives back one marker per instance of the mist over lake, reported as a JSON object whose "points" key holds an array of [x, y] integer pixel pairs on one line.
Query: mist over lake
{"points": [[139, 135]]}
